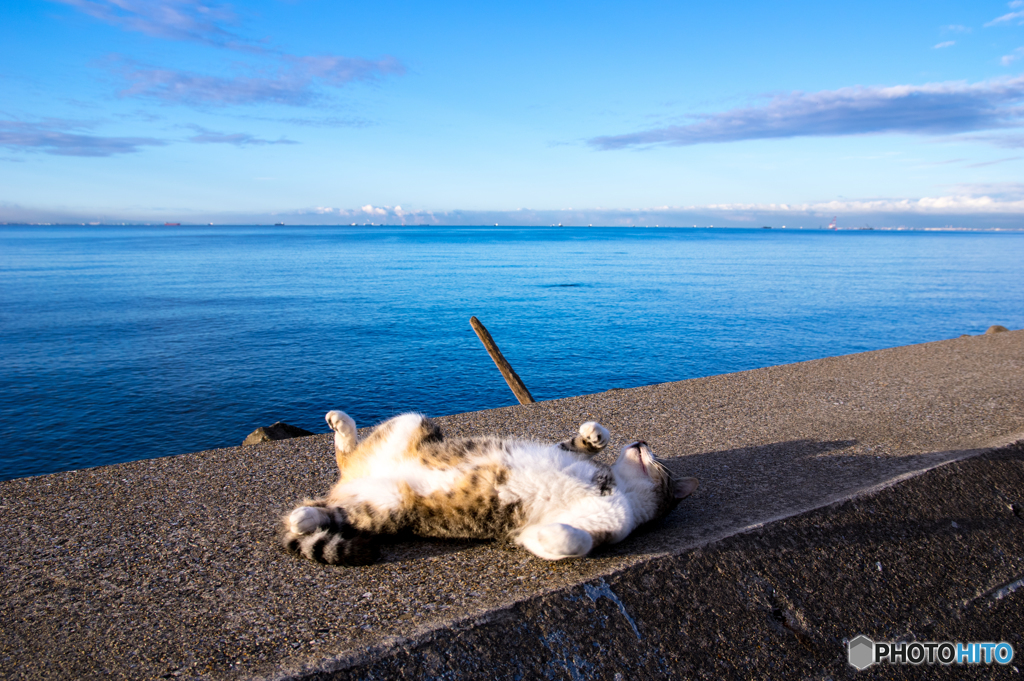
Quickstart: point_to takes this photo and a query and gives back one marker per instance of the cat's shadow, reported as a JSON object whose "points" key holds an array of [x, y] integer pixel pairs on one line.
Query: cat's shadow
{"points": [[738, 487], [746, 486], [406, 546]]}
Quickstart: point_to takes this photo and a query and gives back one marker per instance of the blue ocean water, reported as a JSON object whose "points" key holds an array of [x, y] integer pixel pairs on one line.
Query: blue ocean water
{"points": [[121, 343]]}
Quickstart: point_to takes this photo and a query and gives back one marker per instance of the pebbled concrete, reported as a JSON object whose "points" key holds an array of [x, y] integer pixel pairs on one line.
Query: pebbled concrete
{"points": [[169, 568], [938, 557]]}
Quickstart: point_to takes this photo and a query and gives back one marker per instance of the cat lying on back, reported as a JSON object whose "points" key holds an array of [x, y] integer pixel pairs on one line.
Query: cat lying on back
{"points": [[551, 499]]}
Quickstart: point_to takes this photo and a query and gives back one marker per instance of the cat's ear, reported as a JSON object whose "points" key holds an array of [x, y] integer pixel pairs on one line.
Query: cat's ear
{"points": [[684, 487]]}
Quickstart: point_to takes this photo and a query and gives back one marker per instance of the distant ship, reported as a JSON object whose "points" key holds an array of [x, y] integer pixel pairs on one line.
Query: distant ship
{"points": [[832, 225], [278, 224], [172, 224]]}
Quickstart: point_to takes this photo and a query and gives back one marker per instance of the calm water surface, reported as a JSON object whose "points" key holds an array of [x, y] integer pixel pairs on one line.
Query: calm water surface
{"points": [[122, 343]]}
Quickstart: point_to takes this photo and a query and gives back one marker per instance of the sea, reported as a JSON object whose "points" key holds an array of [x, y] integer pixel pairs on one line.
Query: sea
{"points": [[128, 342]]}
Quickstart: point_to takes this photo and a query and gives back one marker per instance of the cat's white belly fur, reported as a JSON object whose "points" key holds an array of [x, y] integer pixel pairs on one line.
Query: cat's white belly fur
{"points": [[391, 466], [560, 488]]}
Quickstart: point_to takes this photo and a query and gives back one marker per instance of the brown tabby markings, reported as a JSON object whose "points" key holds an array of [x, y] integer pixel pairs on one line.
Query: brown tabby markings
{"points": [[472, 509]]}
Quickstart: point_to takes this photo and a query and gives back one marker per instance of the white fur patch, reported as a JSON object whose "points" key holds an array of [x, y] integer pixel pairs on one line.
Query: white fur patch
{"points": [[381, 493], [555, 541], [344, 430], [391, 464], [306, 520], [594, 433]]}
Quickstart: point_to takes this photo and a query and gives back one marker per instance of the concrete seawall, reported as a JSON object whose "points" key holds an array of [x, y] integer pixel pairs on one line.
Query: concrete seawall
{"points": [[851, 495]]}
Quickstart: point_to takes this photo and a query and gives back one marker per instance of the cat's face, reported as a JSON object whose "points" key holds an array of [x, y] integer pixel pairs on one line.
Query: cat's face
{"points": [[652, 488]]}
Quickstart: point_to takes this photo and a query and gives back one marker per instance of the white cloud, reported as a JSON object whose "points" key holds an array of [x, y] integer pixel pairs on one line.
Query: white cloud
{"points": [[930, 109], [299, 84], [343, 70], [238, 139], [990, 206], [192, 88], [948, 43], [1010, 16], [191, 20], [292, 78], [1012, 57], [955, 204]]}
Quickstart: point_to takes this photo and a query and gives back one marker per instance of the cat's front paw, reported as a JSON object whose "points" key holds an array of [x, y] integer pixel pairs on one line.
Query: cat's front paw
{"points": [[594, 435], [307, 519]]}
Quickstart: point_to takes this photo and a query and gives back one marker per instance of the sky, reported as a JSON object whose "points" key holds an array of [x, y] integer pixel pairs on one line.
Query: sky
{"points": [[331, 112]]}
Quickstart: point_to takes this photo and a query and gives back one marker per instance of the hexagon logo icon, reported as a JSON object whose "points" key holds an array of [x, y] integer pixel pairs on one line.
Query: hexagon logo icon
{"points": [[862, 652]]}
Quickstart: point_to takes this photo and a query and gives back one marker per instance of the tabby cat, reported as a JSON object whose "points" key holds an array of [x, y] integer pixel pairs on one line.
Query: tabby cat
{"points": [[554, 500]]}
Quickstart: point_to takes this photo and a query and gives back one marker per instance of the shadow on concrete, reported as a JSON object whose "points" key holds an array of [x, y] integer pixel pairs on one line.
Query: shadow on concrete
{"points": [[745, 486], [739, 487]]}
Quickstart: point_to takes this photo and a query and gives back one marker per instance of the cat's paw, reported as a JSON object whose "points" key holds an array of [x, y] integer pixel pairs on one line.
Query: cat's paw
{"points": [[344, 430], [594, 435], [556, 541], [307, 519]]}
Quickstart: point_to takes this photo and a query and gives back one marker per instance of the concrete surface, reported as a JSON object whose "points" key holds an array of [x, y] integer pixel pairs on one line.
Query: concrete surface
{"points": [[938, 557], [169, 567]]}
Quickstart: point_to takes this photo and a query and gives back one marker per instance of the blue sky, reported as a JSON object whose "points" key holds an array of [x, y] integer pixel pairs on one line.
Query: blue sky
{"points": [[310, 111]]}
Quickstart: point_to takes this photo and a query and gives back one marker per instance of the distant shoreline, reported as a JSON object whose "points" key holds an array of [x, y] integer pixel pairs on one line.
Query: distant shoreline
{"points": [[512, 226]]}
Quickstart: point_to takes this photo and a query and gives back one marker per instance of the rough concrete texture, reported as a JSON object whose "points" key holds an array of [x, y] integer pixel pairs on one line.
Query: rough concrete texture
{"points": [[939, 557], [169, 567]]}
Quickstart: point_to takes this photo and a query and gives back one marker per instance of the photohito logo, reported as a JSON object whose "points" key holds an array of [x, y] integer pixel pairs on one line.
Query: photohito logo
{"points": [[864, 652]]}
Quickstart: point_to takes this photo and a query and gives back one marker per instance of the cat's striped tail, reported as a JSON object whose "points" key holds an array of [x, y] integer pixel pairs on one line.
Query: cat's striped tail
{"points": [[323, 534]]}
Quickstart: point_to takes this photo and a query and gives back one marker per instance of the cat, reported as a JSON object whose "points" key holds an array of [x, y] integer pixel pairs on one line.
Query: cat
{"points": [[554, 500]]}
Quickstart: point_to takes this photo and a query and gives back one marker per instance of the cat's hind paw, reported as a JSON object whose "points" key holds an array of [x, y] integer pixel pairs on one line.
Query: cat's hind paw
{"points": [[594, 435], [344, 430], [307, 520], [556, 541]]}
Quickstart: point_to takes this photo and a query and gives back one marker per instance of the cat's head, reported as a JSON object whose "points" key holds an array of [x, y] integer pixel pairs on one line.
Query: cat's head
{"points": [[651, 487]]}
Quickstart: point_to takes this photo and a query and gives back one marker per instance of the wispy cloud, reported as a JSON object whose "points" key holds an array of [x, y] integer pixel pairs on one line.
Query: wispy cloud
{"points": [[190, 20], [1010, 17], [1001, 191], [193, 88], [931, 109], [952, 204], [1012, 57], [296, 80], [62, 139], [955, 28], [239, 139], [992, 163], [323, 122], [943, 45], [299, 84], [343, 70], [1007, 140], [941, 163]]}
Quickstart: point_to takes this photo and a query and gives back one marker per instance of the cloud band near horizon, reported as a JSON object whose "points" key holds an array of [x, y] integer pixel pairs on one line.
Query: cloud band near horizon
{"points": [[930, 109]]}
